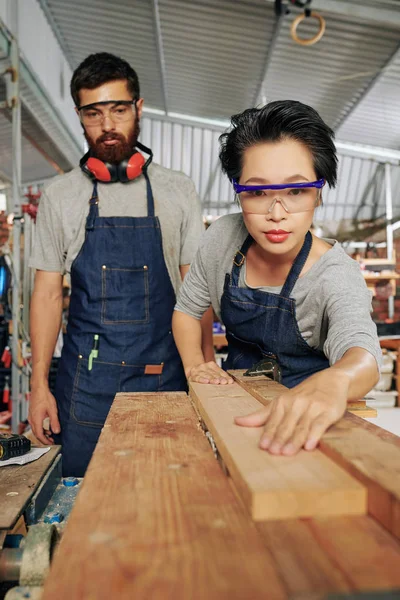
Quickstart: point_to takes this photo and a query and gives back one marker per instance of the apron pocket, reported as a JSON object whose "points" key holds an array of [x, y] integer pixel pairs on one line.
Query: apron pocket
{"points": [[94, 391], [125, 295]]}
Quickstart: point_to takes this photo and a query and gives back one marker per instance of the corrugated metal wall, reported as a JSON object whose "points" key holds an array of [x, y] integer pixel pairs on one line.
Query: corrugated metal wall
{"points": [[193, 149]]}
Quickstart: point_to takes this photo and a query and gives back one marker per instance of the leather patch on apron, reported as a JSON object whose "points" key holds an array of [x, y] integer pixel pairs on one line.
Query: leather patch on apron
{"points": [[153, 369]]}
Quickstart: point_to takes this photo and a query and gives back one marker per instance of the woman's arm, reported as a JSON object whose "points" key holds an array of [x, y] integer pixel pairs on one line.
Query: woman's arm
{"points": [[300, 416], [207, 344], [188, 338]]}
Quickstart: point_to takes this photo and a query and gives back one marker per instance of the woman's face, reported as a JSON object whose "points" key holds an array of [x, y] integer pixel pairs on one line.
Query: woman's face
{"points": [[278, 232]]}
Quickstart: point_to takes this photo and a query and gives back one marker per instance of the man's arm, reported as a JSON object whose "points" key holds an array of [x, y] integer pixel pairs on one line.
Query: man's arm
{"points": [[207, 344], [45, 323]]}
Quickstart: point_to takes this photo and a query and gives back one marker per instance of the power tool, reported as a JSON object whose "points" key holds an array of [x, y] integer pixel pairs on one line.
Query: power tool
{"points": [[12, 445]]}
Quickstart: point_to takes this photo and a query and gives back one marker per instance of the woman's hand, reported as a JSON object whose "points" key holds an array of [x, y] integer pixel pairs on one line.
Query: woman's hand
{"points": [[300, 416], [208, 372]]}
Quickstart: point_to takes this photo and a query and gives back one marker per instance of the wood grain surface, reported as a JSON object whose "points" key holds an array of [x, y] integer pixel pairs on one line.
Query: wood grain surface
{"points": [[265, 390], [273, 487], [19, 483], [156, 517]]}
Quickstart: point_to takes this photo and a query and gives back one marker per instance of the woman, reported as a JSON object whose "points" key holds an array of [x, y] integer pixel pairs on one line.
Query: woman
{"points": [[281, 292]]}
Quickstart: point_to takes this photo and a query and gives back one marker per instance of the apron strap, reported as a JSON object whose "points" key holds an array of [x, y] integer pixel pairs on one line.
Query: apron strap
{"points": [[150, 198], [93, 208], [238, 260], [94, 201], [297, 266]]}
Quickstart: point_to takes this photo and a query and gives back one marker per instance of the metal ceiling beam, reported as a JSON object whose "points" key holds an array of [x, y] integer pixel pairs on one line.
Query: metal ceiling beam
{"points": [[380, 73], [160, 53], [363, 201], [56, 30], [379, 16], [268, 58]]}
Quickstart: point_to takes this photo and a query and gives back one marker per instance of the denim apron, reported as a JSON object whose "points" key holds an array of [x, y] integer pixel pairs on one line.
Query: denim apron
{"points": [[121, 292], [262, 324]]}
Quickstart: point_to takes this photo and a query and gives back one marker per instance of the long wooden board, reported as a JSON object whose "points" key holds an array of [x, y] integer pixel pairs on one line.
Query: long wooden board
{"points": [[367, 452], [371, 455], [340, 554], [156, 518], [273, 487], [18, 483], [265, 390]]}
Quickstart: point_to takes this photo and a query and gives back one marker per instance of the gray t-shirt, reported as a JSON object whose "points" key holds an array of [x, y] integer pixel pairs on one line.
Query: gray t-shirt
{"points": [[64, 206], [333, 304]]}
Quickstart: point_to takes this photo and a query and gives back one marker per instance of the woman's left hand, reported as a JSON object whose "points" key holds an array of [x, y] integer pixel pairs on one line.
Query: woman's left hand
{"points": [[300, 416]]}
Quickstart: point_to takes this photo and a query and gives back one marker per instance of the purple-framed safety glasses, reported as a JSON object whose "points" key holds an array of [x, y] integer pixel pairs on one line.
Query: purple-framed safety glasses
{"points": [[281, 186]]}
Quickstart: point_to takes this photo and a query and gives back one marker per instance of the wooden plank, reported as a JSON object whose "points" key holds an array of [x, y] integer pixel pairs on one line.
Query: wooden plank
{"points": [[342, 554], [362, 549], [265, 390], [273, 487], [372, 455], [367, 452], [156, 517], [357, 408], [19, 483]]}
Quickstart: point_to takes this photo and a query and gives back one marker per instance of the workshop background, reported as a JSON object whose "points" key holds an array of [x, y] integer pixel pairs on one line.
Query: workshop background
{"points": [[199, 62]]}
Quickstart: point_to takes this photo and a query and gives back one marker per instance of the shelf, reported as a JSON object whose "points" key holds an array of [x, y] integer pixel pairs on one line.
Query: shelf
{"points": [[219, 339], [391, 275]]}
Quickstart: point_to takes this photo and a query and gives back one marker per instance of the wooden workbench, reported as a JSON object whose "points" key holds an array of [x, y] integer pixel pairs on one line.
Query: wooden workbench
{"points": [[157, 517], [18, 484], [393, 343]]}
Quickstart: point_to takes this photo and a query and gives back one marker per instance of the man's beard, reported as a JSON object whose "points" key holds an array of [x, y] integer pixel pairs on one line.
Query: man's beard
{"points": [[118, 152]]}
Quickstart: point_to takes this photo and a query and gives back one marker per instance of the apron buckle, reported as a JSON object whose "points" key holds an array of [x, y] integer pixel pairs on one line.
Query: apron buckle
{"points": [[241, 260]]}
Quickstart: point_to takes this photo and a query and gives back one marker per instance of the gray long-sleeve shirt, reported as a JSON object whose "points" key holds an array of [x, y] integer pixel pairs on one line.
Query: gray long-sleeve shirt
{"points": [[333, 304]]}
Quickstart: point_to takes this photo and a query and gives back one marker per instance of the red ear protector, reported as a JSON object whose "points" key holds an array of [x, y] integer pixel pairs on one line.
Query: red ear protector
{"points": [[124, 171]]}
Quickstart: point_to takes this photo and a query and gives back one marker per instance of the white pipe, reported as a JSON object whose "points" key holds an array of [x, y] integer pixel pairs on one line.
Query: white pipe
{"points": [[389, 210], [389, 228], [16, 189]]}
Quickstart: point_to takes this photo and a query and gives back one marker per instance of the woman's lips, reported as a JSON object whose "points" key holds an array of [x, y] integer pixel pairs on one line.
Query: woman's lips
{"points": [[277, 236]]}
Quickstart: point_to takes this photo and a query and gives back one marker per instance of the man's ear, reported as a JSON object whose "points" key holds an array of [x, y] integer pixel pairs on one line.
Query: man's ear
{"points": [[139, 108]]}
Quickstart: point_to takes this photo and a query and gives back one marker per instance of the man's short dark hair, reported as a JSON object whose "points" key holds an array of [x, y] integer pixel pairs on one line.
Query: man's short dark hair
{"points": [[101, 68], [275, 122]]}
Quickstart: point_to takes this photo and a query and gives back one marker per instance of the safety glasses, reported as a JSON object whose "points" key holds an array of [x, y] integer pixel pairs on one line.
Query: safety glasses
{"points": [[293, 197], [94, 114]]}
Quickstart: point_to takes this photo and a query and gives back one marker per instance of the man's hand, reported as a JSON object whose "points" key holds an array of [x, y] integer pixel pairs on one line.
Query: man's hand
{"points": [[208, 372], [42, 405], [300, 416]]}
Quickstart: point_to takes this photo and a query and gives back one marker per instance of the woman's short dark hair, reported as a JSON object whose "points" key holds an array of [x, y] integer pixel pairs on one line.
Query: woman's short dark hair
{"points": [[101, 68], [274, 122]]}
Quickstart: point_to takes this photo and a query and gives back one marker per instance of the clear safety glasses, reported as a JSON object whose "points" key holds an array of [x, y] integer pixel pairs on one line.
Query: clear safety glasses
{"points": [[94, 114], [294, 197]]}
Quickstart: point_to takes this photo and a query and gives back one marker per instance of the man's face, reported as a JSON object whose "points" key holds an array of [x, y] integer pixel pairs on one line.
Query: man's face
{"points": [[111, 141]]}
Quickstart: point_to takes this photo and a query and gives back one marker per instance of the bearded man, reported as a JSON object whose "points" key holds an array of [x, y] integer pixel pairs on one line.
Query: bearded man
{"points": [[124, 231]]}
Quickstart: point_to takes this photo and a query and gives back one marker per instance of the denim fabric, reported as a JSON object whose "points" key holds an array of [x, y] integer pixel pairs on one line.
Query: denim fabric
{"points": [[121, 291], [261, 324]]}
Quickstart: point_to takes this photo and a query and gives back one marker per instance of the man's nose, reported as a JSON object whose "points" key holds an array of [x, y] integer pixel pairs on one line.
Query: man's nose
{"points": [[108, 124]]}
